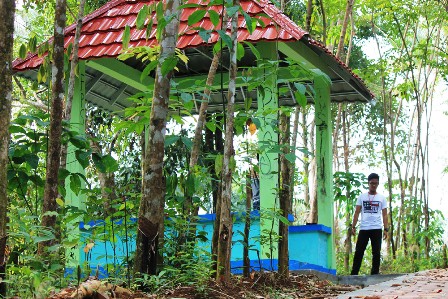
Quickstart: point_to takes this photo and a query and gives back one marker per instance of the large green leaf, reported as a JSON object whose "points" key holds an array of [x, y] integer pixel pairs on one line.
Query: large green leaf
{"points": [[187, 141], [189, 185], [214, 17], [196, 16], [254, 50], [300, 94], [151, 66], [98, 162], [83, 157], [79, 141], [225, 38], [32, 160], [186, 97], [249, 23], [218, 164], [75, 183], [169, 64], [110, 163], [141, 17], [205, 34], [22, 51], [32, 43], [63, 174], [239, 51], [126, 37], [13, 129], [232, 10]]}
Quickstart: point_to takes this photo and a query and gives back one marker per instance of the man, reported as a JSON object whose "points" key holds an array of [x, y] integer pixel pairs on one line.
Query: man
{"points": [[373, 209]]}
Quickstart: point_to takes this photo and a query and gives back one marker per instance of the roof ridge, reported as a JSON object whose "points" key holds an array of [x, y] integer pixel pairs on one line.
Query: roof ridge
{"points": [[285, 22]]}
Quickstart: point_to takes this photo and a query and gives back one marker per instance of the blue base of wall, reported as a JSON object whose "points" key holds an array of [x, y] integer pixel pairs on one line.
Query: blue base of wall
{"points": [[272, 265], [236, 268]]}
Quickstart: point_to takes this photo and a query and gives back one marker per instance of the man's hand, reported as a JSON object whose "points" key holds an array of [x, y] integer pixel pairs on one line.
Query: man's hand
{"points": [[385, 235], [353, 230]]}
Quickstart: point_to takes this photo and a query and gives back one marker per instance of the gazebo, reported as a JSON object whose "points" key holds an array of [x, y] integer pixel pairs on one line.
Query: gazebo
{"points": [[107, 82]]}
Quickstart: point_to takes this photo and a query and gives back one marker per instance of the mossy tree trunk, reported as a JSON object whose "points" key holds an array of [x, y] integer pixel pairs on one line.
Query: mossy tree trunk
{"points": [[7, 10], [54, 136], [225, 224], [151, 212], [285, 190]]}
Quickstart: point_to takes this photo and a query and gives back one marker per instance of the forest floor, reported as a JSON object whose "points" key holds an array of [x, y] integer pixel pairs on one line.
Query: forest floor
{"points": [[258, 286]]}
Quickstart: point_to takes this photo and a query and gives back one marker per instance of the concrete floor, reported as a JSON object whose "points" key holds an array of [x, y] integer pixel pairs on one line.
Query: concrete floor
{"points": [[424, 284]]}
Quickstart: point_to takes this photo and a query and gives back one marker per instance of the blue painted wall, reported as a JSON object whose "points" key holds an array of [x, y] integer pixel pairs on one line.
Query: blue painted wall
{"points": [[307, 245]]}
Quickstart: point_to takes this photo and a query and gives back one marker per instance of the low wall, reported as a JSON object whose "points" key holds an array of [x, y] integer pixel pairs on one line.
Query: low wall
{"points": [[307, 245]]}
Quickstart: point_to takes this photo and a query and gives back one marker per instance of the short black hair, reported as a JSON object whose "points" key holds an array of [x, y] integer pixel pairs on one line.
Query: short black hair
{"points": [[373, 176]]}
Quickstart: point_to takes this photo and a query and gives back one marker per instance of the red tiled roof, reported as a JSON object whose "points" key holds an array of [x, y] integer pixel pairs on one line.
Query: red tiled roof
{"points": [[102, 30]]}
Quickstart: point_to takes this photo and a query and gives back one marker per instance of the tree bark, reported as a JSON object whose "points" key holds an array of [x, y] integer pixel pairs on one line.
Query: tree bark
{"points": [[313, 217], [7, 12], [151, 212], [226, 224], [285, 202], [309, 14], [246, 260], [54, 138], [348, 216], [306, 158]]}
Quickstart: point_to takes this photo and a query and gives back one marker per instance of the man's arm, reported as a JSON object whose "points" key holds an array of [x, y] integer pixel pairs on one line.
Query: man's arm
{"points": [[355, 219], [385, 223]]}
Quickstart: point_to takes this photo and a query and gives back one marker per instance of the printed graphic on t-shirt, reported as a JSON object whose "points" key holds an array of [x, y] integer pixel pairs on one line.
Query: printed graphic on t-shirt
{"points": [[371, 207]]}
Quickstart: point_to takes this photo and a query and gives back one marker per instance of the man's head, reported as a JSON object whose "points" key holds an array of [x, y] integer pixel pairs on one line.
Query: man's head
{"points": [[373, 179]]}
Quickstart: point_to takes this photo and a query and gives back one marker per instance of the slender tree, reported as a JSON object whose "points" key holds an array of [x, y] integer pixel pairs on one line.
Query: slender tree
{"points": [[285, 202], [54, 137], [151, 216], [189, 210], [7, 11], [225, 222]]}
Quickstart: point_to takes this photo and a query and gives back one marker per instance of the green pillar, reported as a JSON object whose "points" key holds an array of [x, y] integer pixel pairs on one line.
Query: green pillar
{"points": [[77, 123], [267, 133], [324, 156]]}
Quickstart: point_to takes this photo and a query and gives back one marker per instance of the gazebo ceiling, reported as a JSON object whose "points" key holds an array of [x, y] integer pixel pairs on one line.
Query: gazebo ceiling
{"points": [[109, 82]]}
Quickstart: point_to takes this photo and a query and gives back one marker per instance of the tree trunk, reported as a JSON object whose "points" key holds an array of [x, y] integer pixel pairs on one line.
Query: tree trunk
{"points": [[285, 202], [151, 212], [54, 138], [313, 217], [226, 223], [71, 83], [246, 260], [189, 210], [7, 11], [306, 158], [197, 141], [339, 52], [309, 14], [348, 237], [348, 12], [324, 22]]}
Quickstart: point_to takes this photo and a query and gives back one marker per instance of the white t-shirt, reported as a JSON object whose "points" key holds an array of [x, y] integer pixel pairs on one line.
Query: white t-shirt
{"points": [[371, 210]]}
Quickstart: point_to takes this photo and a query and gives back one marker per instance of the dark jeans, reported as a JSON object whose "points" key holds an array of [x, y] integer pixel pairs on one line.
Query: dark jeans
{"points": [[363, 239]]}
